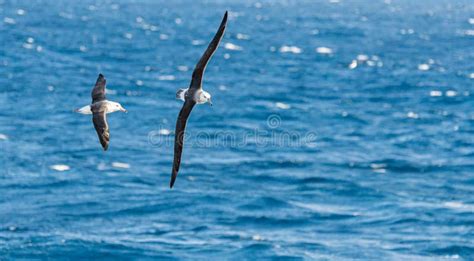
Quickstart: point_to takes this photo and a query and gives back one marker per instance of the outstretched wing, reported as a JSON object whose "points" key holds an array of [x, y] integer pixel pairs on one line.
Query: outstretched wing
{"points": [[98, 93], [201, 65], [179, 137], [102, 128]]}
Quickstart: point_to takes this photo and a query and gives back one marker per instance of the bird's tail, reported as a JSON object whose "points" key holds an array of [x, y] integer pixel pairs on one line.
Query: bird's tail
{"points": [[180, 94]]}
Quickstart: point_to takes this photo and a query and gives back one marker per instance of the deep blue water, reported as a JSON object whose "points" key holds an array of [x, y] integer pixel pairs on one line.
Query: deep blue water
{"points": [[339, 131]]}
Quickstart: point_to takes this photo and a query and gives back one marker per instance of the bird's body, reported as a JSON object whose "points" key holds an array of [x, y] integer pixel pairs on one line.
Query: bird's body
{"points": [[109, 107], [192, 96], [99, 107], [199, 96]]}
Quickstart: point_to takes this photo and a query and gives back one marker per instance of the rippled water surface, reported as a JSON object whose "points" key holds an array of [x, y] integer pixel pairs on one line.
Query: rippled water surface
{"points": [[340, 130]]}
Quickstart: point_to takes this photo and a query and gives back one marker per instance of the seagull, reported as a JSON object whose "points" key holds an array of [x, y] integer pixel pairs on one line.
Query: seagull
{"points": [[99, 108], [192, 96]]}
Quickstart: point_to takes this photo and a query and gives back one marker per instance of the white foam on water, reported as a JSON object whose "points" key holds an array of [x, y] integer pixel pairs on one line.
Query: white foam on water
{"points": [[166, 78], [451, 93], [290, 49], [471, 20], [469, 32], [66, 15], [28, 46], [283, 106], [435, 93], [362, 57], [242, 36], [164, 132], [353, 65], [9, 20], [325, 208], [183, 68], [120, 165], [3, 137], [412, 115], [423, 67], [110, 91], [324, 50], [459, 206], [20, 12], [378, 167], [197, 42], [101, 166], [60, 167], [231, 46]]}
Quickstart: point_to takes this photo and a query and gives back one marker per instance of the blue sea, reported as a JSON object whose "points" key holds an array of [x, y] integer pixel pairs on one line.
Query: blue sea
{"points": [[341, 130]]}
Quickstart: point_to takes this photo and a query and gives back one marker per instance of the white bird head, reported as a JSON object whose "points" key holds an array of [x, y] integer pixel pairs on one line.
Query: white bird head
{"points": [[115, 106], [205, 97]]}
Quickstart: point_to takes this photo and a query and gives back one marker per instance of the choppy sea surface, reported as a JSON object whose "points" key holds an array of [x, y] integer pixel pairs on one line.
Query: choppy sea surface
{"points": [[341, 130]]}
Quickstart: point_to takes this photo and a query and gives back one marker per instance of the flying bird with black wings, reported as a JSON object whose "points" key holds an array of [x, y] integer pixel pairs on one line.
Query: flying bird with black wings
{"points": [[99, 107], [192, 96]]}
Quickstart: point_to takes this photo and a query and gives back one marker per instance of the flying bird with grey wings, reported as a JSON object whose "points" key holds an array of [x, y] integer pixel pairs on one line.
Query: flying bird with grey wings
{"points": [[192, 96], [99, 108]]}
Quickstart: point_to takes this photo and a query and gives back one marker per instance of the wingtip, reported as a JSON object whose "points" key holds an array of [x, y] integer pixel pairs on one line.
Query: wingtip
{"points": [[174, 174]]}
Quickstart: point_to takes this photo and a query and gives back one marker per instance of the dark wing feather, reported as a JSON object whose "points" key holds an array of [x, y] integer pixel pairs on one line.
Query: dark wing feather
{"points": [[102, 128], [98, 93], [201, 65], [179, 137]]}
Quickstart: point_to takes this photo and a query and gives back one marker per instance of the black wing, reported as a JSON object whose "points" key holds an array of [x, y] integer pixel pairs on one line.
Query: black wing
{"points": [[98, 93], [102, 128], [179, 137], [201, 65]]}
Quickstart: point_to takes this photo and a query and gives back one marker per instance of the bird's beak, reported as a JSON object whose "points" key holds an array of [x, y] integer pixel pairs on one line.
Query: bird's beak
{"points": [[122, 109], [210, 102]]}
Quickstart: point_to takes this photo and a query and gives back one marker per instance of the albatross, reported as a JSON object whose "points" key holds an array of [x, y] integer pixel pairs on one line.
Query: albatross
{"points": [[99, 107], [192, 96]]}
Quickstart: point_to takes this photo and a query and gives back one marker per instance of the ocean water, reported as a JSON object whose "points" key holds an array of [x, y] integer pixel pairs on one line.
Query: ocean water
{"points": [[341, 130]]}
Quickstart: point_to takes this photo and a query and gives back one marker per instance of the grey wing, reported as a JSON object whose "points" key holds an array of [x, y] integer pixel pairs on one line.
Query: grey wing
{"points": [[179, 137], [201, 65], [98, 92], [102, 128]]}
